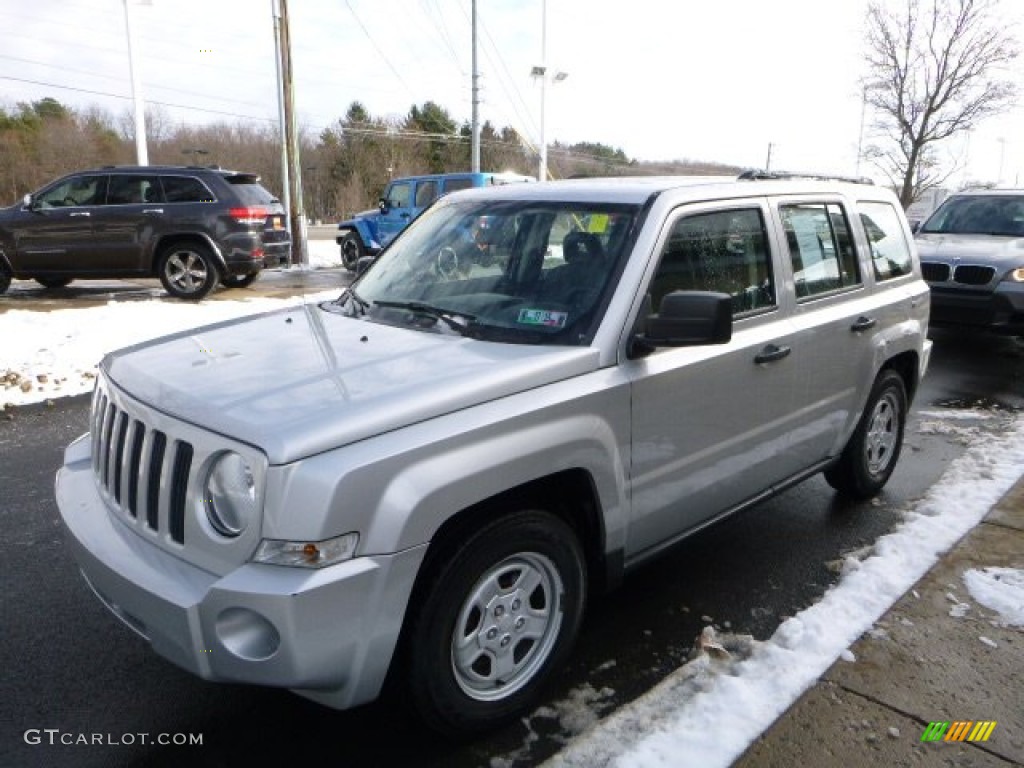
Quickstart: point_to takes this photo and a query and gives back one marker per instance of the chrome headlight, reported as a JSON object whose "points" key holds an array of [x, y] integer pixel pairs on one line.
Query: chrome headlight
{"points": [[230, 497], [1017, 275]]}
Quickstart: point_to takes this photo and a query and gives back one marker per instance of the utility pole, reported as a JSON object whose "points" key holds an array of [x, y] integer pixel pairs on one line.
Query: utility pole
{"points": [[296, 217], [286, 195], [768, 160], [475, 143]]}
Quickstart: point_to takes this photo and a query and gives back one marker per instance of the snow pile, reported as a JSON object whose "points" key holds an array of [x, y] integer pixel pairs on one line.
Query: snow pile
{"points": [[1000, 590], [709, 711]]}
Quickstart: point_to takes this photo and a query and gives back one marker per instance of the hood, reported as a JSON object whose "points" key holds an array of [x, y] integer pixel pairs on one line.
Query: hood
{"points": [[301, 381], [991, 250]]}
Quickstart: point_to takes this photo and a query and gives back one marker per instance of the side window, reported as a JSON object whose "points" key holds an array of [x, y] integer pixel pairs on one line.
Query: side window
{"points": [[454, 185], [820, 248], [724, 251], [890, 254], [79, 190], [133, 190], [426, 193], [185, 189], [399, 195]]}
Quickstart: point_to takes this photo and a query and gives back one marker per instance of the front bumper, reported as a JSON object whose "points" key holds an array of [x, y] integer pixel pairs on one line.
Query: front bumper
{"points": [[1001, 310], [327, 634]]}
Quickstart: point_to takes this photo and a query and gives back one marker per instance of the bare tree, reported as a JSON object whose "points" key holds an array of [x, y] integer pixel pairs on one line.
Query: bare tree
{"points": [[936, 67]]}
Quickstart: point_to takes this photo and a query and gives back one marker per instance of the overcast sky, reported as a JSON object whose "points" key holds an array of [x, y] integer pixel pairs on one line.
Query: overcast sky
{"points": [[710, 80]]}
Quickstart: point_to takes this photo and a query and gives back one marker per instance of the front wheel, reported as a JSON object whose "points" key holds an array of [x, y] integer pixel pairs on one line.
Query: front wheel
{"points": [[496, 617], [351, 251], [188, 271], [871, 454], [6, 275]]}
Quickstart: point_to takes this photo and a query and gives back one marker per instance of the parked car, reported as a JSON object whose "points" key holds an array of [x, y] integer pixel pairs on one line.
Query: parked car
{"points": [[403, 200], [428, 477], [972, 255], [189, 226]]}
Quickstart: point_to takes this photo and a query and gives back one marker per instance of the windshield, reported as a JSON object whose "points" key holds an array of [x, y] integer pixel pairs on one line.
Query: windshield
{"points": [[979, 215], [516, 271]]}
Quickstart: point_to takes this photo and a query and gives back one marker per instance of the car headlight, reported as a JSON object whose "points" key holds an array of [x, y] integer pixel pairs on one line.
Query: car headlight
{"points": [[230, 498], [1017, 275], [307, 554]]}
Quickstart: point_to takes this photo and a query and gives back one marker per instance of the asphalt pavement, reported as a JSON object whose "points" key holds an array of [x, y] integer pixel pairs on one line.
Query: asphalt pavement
{"points": [[921, 663]]}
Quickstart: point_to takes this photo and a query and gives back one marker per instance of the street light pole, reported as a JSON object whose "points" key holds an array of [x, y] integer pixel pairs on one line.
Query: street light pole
{"points": [[542, 171], [141, 153]]}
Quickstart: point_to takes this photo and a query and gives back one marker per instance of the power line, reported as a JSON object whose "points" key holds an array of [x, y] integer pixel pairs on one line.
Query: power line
{"points": [[122, 80], [377, 47], [129, 98]]}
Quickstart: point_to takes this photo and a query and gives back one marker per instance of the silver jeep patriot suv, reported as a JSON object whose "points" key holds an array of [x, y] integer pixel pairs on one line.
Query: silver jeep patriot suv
{"points": [[425, 479]]}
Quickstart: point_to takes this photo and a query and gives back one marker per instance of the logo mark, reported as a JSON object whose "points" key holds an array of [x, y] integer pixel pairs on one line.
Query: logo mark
{"points": [[959, 730]]}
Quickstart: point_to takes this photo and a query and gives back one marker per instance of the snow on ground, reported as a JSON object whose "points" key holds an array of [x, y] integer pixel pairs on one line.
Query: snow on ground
{"points": [[1000, 590], [710, 710], [54, 354]]}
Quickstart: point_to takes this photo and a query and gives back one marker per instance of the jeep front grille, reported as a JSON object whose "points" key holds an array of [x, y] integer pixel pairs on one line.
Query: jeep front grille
{"points": [[144, 473], [970, 274]]}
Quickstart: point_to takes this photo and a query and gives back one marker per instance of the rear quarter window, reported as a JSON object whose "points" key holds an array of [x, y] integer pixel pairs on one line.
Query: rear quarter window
{"points": [[186, 189], [890, 252], [249, 191]]}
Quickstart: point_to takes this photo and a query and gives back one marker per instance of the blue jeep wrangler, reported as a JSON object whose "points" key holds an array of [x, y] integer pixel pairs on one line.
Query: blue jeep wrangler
{"points": [[366, 233]]}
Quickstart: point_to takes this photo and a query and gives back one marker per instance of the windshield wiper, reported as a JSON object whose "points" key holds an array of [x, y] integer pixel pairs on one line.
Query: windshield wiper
{"points": [[358, 300], [445, 316]]}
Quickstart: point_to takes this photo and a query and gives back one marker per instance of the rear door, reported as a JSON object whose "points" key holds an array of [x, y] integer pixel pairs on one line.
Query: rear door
{"points": [[835, 318], [132, 218], [713, 425]]}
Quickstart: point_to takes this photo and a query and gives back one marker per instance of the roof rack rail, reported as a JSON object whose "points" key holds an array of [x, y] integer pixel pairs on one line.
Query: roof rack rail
{"points": [[759, 175]]}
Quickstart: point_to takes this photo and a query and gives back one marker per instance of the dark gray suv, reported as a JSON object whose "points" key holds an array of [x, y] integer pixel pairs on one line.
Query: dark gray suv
{"points": [[192, 227]]}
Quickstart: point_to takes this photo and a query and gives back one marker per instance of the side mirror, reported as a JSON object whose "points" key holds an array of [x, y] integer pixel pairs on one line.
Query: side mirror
{"points": [[26, 201], [384, 205], [689, 319]]}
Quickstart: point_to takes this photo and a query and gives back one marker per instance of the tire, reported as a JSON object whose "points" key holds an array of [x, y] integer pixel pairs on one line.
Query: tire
{"points": [[5, 277], [870, 456], [187, 270], [506, 602], [352, 251], [53, 282], [239, 281]]}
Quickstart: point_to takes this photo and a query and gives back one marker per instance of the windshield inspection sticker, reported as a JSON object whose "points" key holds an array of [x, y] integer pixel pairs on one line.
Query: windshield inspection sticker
{"points": [[543, 317]]}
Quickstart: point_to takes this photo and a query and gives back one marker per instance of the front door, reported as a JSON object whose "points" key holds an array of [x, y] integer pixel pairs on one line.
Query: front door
{"points": [[712, 426], [397, 213], [56, 234]]}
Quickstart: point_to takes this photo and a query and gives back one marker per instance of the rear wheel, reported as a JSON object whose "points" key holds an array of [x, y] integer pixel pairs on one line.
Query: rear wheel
{"points": [[239, 281], [53, 282], [351, 251], [871, 454], [494, 620], [187, 270]]}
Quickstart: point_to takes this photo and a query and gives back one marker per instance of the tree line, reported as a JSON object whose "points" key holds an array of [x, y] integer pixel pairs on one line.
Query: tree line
{"points": [[344, 167]]}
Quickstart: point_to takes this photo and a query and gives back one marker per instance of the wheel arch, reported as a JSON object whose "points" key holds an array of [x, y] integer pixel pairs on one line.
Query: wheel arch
{"points": [[170, 238], [906, 364]]}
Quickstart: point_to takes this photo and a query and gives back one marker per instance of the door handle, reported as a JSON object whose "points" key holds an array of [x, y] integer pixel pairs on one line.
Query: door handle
{"points": [[863, 323], [152, 210], [771, 353], [80, 213]]}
